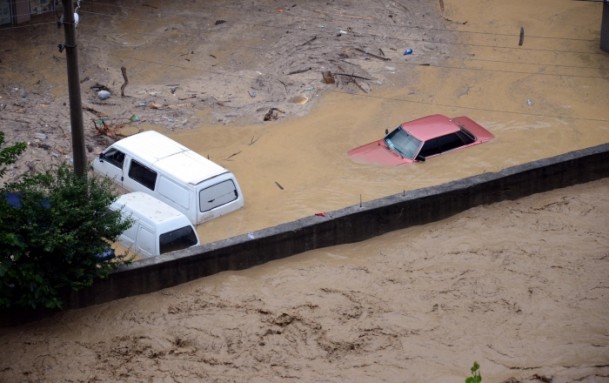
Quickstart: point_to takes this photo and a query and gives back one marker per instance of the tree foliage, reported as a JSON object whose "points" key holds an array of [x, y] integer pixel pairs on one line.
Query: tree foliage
{"points": [[9, 154], [51, 242]]}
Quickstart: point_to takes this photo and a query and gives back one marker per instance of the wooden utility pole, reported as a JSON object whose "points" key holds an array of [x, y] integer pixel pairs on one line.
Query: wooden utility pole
{"points": [[78, 137]]}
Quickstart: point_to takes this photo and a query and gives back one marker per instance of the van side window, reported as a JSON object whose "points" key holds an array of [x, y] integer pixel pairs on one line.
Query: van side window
{"points": [[142, 174], [217, 195], [114, 157]]}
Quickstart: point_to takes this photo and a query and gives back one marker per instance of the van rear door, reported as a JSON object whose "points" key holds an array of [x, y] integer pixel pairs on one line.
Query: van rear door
{"points": [[217, 195]]}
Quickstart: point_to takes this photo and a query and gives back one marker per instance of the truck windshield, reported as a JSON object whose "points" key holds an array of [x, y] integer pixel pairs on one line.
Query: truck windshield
{"points": [[177, 239], [401, 142]]}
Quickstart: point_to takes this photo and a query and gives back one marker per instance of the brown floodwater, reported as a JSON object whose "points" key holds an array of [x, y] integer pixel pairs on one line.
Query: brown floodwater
{"points": [[296, 167], [541, 99]]}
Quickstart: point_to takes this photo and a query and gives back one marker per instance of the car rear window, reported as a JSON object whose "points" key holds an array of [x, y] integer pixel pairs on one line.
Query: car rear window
{"points": [[177, 239], [445, 143]]}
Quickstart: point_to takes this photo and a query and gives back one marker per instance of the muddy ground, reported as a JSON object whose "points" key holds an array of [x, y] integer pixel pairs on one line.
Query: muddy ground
{"points": [[218, 62]]}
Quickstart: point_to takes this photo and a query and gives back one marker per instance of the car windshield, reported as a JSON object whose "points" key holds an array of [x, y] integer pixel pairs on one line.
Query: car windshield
{"points": [[403, 143]]}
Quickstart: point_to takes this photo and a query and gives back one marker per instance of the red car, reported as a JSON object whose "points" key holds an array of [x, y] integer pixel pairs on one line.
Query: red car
{"points": [[421, 138]]}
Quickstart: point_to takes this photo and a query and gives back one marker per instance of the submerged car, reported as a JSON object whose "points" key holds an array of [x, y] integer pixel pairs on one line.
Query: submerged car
{"points": [[417, 140]]}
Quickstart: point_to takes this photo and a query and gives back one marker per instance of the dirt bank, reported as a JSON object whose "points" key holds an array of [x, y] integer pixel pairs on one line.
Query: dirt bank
{"points": [[188, 65]]}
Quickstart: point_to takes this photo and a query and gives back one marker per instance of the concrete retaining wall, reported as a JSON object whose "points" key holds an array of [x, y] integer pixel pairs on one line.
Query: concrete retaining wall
{"points": [[348, 225]]}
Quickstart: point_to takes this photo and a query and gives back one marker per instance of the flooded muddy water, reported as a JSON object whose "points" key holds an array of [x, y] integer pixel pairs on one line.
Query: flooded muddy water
{"points": [[543, 98], [297, 167]]}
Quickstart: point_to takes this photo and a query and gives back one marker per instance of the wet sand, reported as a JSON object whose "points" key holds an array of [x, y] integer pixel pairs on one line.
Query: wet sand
{"points": [[520, 286]]}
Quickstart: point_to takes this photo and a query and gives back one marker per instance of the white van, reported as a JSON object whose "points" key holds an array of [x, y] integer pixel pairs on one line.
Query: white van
{"points": [[155, 164], [157, 227]]}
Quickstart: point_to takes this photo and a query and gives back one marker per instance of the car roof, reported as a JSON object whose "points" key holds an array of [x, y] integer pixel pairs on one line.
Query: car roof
{"points": [[170, 156], [428, 127], [148, 208]]}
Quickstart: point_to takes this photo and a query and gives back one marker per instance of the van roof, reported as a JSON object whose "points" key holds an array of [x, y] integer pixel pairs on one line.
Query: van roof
{"points": [[170, 156], [145, 206]]}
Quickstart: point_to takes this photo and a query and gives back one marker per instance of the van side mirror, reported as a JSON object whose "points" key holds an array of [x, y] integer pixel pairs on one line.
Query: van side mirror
{"points": [[420, 158], [386, 131]]}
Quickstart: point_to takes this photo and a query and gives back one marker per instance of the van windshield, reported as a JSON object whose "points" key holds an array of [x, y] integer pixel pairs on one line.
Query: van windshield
{"points": [[177, 239]]}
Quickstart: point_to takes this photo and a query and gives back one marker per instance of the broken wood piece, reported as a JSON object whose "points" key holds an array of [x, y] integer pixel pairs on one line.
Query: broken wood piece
{"points": [[124, 72], [95, 112], [272, 114], [353, 76], [278, 185], [99, 87], [300, 71], [232, 155], [521, 41], [328, 78], [359, 86], [309, 41], [373, 55]]}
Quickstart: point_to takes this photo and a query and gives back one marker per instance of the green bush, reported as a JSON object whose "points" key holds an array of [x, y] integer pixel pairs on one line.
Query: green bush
{"points": [[475, 377], [52, 242]]}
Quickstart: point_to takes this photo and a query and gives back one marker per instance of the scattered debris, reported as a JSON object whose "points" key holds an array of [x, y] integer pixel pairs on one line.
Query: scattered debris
{"points": [[218, 22], [272, 114], [542, 378], [124, 73], [232, 155], [521, 41], [103, 94], [278, 185], [103, 129], [328, 78], [309, 41], [299, 71], [97, 87], [373, 55], [154, 105], [299, 100], [408, 52], [352, 76]]}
